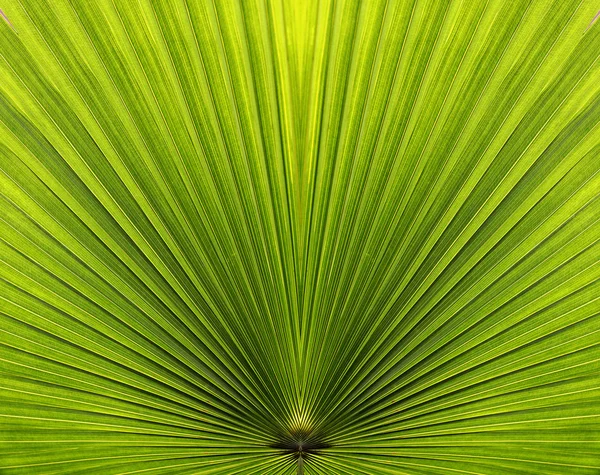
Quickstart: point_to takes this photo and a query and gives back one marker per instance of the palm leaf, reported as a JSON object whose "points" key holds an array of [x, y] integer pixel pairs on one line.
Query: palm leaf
{"points": [[279, 237]]}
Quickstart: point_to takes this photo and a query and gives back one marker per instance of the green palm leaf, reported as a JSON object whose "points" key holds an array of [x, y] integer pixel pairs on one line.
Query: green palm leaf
{"points": [[280, 237]]}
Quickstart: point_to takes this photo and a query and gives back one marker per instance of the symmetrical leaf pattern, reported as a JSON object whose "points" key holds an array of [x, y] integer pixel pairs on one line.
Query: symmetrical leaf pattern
{"points": [[299, 236]]}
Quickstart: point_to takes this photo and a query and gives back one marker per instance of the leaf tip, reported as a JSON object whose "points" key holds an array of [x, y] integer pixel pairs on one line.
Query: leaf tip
{"points": [[593, 21], [7, 20]]}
